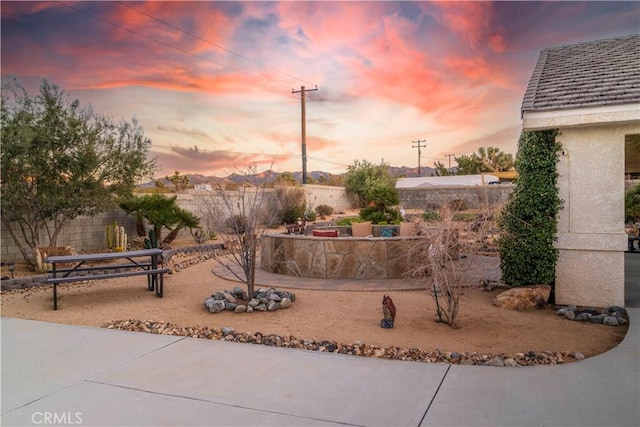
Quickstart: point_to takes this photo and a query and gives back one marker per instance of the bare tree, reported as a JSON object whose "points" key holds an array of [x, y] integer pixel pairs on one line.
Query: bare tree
{"points": [[433, 259], [239, 216]]}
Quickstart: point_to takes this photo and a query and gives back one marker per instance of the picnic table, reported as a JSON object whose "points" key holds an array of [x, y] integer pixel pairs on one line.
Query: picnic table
{"points": [[73, 268]]}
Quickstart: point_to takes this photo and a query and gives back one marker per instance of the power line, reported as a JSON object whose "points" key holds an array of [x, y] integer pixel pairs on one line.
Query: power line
{"points": [[212, 43], [449, 156], [99, 18]]}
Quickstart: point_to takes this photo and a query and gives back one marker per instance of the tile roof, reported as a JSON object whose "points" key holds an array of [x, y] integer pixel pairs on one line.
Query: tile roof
{"points": [[589, 74]]}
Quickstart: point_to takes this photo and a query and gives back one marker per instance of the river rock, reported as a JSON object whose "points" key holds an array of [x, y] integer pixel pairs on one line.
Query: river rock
{"points": [[523, 298], [286, 303], [214, 305]]}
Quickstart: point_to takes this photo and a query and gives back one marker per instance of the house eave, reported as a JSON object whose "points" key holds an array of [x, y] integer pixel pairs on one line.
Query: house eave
{"points": [[552, 119]]}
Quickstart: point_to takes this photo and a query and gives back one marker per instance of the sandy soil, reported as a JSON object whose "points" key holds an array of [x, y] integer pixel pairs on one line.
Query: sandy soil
{"points": [[344, 317]]}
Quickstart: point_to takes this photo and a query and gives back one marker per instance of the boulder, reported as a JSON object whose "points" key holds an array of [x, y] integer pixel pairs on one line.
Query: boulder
{"points": [[524, 298]]}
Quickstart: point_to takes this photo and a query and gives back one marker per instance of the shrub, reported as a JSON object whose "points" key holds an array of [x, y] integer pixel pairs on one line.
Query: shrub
{"points": [[324, 210], [291, 202], [464, 217], [457, 205], [373, 214], [348, 220], [431, 216], [236, 224], [632, 204], [310, 215]]}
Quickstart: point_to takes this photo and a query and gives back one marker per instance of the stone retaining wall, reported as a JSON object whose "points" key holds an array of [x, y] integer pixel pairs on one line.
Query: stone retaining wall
{"points": [[335, 257]]}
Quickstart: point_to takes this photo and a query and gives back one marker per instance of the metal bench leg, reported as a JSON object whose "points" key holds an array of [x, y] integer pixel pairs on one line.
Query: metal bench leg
{"points": [[55, 296], [160, 283]]}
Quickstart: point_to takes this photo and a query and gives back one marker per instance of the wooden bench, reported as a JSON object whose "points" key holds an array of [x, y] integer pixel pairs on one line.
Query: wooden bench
{"points": [[143, 262]]}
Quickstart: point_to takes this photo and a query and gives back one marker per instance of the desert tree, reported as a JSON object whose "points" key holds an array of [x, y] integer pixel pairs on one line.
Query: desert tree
{"points": [[239, 216], [60, 160], [435, 259]]}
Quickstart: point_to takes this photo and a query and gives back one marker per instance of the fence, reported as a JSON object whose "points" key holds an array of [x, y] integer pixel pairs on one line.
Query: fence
{"points": [[89, 233]]}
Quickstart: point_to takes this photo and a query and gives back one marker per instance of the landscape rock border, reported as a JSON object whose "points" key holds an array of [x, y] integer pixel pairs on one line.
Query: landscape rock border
{"points": [[238, 301], [355, 349], [612, 316]]}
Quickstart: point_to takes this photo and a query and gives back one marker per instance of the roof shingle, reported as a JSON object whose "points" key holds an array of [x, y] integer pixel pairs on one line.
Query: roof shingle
{"points": [[589, 74]]}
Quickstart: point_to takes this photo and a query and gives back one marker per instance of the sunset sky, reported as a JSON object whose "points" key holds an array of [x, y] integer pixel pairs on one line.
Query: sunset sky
{"points": [[211, 82]]}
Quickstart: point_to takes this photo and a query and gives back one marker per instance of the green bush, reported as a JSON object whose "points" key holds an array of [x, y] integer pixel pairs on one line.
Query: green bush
{"points": [[324, 210], [310, 215], [528, 221], [348, 220], [373, 214], [632, 204], [431, 216]]}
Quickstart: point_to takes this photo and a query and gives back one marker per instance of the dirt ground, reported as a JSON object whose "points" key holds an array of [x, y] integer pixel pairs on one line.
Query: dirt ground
{"points": [[345, 317]]}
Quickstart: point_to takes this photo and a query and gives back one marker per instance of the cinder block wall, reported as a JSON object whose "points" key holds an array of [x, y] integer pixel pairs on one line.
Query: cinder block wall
{"points": [[83, 234], [435, 197], [89, 233]]}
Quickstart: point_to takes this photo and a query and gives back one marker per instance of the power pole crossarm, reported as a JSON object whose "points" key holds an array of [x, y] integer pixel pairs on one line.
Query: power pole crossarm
{"points": [[449, 156], [418, 144], [304, 129]]}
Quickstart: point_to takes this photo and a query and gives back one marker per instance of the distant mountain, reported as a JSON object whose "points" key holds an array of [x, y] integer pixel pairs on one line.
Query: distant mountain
{"points": [[270, 176]]}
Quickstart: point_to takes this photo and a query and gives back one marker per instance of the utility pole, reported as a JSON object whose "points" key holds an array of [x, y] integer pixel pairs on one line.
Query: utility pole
{"points": [[449, 156], [418, 146], [304, 130]]}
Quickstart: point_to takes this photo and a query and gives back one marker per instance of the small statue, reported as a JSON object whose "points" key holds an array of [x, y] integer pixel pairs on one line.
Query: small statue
{"points": [[389, 311]]}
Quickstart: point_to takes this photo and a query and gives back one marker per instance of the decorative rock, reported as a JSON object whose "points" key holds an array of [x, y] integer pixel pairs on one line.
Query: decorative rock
{"points": [[523, 298], [610, 320], [576, 355], [286, 303], [240, 309], [253, 302], [260, 307], [219, 295], [583, 317], [511, 362], [229, 297], [591, 311], [226, 330], [237, 292], [230, 306], [496, 361], [274, 297], [272, 305], [214, 305], [570, 315]]}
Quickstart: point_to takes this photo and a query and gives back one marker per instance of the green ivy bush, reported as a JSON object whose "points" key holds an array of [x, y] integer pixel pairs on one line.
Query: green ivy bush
{"points": [[528, 221]]}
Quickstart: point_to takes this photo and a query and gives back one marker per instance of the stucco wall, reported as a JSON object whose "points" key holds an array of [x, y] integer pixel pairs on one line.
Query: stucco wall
{"points": [[591, 239]]}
